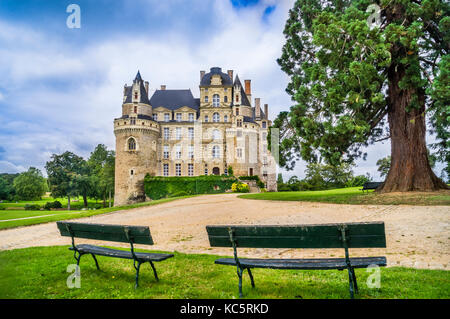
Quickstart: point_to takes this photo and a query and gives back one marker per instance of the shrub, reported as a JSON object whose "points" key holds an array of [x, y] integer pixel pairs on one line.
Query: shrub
{"points": [[50, 205], [239, 187], [32, 207]]}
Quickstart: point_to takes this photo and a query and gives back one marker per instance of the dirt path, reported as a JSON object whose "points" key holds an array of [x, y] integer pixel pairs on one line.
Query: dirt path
{"points": [[417, 236]]}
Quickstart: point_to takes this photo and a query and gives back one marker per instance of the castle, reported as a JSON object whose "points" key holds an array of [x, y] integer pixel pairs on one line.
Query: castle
{"points": [[172, 133]]}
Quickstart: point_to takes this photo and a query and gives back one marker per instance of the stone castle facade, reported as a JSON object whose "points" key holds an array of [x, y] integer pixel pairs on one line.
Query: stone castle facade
{"points": [[172, 133]]}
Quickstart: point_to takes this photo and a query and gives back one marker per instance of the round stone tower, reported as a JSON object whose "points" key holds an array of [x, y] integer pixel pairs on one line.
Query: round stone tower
{"points": [[136, 144]]}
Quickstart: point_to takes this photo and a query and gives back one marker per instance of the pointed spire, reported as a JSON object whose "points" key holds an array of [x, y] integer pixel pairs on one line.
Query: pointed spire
{"points": [[138, 77], [237, 82]]}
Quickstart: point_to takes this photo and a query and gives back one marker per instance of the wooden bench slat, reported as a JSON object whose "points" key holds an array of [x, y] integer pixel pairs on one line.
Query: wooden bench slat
{"points": [[359, 235], [116, 233], [110, 252], [314, 263]]}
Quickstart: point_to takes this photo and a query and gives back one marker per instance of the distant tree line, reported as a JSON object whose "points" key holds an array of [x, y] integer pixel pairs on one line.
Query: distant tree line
{"points": [[69, 175]]}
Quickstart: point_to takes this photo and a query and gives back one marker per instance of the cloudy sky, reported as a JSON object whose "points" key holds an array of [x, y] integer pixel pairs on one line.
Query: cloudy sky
{"points": [[61, 88]]}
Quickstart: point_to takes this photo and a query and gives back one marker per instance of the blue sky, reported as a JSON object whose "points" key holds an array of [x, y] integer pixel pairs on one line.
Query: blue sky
{"points": [[61, 88]]}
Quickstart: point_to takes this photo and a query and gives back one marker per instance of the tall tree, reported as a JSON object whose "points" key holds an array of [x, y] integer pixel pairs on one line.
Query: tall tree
{"points": [[30, 185], [356, 82], [101, 162], [64, 175]]}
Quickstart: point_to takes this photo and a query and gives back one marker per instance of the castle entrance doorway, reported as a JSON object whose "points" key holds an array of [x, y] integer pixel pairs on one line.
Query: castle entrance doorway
{"points": [[216, 171]]}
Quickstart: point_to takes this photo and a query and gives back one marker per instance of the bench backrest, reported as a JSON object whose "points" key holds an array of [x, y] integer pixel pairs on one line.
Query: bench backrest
{"points": [[371, 185], [116, 233], [358, 235]]}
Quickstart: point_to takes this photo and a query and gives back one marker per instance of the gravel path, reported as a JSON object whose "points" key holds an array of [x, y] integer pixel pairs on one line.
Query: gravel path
{"points": [[417, 236]]}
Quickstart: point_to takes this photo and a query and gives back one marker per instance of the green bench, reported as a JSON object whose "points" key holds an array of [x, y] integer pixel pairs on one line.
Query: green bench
{"points": [[371, 185], [348, 235], [113, 233]]}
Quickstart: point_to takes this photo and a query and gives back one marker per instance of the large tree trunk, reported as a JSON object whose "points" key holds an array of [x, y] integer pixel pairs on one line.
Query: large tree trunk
{"points": [[410, 169]]}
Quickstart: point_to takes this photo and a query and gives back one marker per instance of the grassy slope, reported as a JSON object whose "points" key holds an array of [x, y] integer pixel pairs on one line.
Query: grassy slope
{"points": [[63, 215], [196, 276], [353, 195]]}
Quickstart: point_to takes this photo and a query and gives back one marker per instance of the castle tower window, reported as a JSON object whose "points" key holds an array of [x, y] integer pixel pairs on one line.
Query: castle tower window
{"points": [[206, 118], [264, 124], [166, 133], [178, 169], [135, 109], [178, 115], [225, 99], [216, 100], [155, 116], [225, 118], [131, 144], [191, 117], [239, 152], [206, 99], [190, 169], [132, 120], [215, 151], [239, 123], [135, 95], [216, 135], [166, 117], [166, 169], [237, 111], [237, 98], [166, 151], [216, 117]]}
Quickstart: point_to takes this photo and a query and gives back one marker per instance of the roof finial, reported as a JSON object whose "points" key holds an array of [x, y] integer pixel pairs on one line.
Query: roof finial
{"points": [[138, 77]]}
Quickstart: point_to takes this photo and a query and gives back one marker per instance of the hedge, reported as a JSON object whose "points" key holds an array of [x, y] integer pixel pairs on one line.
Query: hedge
{"points": [[157, 187]]}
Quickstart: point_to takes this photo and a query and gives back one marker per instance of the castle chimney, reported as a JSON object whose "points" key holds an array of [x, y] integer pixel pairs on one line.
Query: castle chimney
{"points": [[146, 87], [266, 111], [230, 74], [257, 108], [163, 87], [202, 74], [248, 89]]}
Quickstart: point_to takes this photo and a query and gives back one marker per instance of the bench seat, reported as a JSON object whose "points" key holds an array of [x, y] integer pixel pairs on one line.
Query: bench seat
{"points": [[315, 263], [109, 252]]}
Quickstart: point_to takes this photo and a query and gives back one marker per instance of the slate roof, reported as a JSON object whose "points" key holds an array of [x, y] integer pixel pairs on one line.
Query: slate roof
{"points": [[244, 98], [174, 99], [143, 92], [206, 80]]}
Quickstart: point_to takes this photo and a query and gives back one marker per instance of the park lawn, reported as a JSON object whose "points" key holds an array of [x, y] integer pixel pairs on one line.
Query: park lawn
{"points": [[40, 272], [74, 205], [353, 195], [52, 216]]}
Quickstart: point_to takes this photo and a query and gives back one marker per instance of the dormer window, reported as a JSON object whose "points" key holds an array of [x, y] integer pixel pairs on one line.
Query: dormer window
{"points": [[237, 111], [135, 109], [135, 95], [237, 98], [178, 117]]}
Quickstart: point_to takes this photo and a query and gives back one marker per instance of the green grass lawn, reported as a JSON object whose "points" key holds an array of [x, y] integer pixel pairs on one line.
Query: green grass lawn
{"points": [[40, 272], [76, 203], [51, 216], [353, 195]]}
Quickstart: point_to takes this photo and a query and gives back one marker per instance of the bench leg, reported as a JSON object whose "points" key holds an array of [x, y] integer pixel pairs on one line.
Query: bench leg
{"points": [[354, 281], [137, 274], [96, 262], [239, 273], [350, 281], [251, 277], [154, 271]]}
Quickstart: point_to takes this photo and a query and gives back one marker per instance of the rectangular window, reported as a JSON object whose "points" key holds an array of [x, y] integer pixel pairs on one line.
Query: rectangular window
{"points": [[155, 116], [206, 170], [178, 152], [166, 117], [178, 117], [191, 117], [239, 123], [166, 133], [239, 152], [166, 151], [166, 169], [191, 151], [237, 111], [178, 133], [178, 169], [263, 124], [206, 118], [191, 133], [190, 169], [132, 120]]}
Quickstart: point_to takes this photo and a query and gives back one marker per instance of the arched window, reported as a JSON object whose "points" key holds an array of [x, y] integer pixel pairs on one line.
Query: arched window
{"points": [[131, 144], [216, 117], [216, 135], [216, 100], [215, 151]]}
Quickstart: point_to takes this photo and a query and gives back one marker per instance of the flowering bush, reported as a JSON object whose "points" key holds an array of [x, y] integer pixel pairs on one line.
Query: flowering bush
{"points": [[240, 188]]}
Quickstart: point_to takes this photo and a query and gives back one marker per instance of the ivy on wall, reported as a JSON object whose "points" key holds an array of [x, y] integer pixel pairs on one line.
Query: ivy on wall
{"points": [[157, 187]]}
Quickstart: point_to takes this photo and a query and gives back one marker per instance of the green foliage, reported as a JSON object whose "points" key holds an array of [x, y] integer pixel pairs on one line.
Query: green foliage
{"points": [[102, 168], [230, 171], [384, 164], [49, 205], [358, 180], [341, 70], [178, 194], [6, 189], [32, 207], [157, 187], [239, 187], [30, 184]]}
